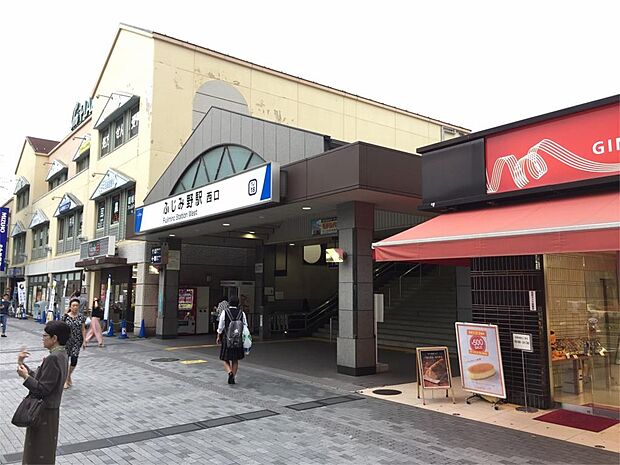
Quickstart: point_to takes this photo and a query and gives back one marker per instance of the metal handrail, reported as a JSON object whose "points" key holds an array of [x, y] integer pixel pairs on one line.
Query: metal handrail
{"points": [[400, 278]]}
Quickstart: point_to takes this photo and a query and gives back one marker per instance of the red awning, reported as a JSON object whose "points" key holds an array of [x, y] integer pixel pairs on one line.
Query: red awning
{"points": [[578, 224]]}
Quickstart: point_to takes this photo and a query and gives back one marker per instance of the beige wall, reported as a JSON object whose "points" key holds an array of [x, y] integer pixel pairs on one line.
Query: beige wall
{"points": [[180, 70]]}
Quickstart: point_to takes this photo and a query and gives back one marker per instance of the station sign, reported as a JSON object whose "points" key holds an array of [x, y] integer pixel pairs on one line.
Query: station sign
{"points": [[251, 188]]}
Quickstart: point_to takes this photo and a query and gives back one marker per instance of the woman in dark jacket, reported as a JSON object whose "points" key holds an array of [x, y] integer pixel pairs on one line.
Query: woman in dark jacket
{"points": [[229, 355], [46, 383]]}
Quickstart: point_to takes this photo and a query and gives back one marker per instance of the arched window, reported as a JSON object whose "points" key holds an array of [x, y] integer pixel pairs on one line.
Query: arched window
{"points": [[214, 164]]}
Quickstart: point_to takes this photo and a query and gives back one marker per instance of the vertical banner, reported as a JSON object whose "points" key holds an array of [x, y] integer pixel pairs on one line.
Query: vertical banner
{"points": [[480, 359], [50, 305], [106, 307], [21, 293], [4, 235]]}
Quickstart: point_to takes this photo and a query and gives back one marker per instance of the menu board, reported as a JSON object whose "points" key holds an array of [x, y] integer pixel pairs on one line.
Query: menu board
{"points": [[480, 359], [434, 367]]}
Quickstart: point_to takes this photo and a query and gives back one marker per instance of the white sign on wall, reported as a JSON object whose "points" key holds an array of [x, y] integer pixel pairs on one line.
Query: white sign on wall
{"points": [[522, 342], [249, 188]]}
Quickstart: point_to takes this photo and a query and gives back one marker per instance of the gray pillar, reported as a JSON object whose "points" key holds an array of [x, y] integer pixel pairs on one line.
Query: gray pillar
{"points": [[356, 338], [168, 292]]}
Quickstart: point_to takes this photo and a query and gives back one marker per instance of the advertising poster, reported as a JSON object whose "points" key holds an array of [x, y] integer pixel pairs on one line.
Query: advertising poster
{"points": [[434, 364], [480, 359], [186, 299], [4, 236], [21, 293]]}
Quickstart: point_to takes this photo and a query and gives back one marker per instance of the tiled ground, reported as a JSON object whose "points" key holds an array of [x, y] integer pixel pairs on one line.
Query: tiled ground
{"points": [[119, 390]]}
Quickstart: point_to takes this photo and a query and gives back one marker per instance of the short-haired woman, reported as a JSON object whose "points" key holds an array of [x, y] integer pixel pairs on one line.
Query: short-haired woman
{"points": [[46, 383], [77, 323], [230, 355]]}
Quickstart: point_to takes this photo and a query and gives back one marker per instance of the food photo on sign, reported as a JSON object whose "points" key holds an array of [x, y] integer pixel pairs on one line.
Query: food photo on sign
{"points": [[480, 359], [434, 367]]}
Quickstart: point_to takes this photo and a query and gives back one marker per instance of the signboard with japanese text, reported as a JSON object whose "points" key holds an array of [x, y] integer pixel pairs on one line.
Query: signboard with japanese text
{"points": [[522, 342], [247, 189], [480, 359], [4, 235]]}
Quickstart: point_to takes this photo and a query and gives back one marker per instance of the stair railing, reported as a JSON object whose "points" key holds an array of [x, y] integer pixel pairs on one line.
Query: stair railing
{"points": [[400, 278]]}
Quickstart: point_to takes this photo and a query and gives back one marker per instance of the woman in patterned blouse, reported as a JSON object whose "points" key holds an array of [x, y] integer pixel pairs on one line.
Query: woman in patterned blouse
{"points": [[77, 323]]}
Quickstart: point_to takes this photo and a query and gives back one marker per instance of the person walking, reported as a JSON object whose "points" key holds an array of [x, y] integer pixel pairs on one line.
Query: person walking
{"points": [[77, 324], [46, 383], [4, 312], [231, 353], [95, 324]]}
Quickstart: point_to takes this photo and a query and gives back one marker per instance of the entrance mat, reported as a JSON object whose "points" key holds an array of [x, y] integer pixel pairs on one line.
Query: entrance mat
{"points": [[577, 420]]}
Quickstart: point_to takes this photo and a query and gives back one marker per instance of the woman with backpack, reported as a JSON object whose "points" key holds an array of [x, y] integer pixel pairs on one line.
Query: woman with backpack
{"points": [[230, 334]]}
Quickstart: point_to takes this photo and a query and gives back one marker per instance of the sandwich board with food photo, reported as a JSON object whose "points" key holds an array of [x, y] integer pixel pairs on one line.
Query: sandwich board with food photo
{"points": [[480, 359], [434, 370]]}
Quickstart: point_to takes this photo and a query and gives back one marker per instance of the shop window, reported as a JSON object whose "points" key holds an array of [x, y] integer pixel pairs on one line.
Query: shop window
{"points": [[131, 201], [116, 201], [121, 130], [40, 241], [22, 199], [19, 248], [100, 214], [57, 180], [134, 122], [82, 164], [105, 142]]}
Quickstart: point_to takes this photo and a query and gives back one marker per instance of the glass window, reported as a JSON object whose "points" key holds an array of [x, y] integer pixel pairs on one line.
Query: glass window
{"points": [[131, 201], [116, 214], [105, 141], [100, 214], [83, 163], [79, 223], [70, 227], [61, 229], [134, 122], [119, 131]]}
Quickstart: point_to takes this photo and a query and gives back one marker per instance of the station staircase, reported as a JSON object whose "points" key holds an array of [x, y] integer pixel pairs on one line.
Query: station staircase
{"points": [[420, 309]]}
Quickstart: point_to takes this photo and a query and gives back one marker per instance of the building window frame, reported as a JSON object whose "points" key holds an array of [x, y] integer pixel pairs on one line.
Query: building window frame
{"points": [[19, 248], [40, 239], [120, 131], [22, 199], [116, 206], [69, 232]]}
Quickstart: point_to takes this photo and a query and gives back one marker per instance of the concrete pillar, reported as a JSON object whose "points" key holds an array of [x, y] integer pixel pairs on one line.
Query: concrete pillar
{"points": [[259, 292], [168, 292], [356, 338], [147, 287]]}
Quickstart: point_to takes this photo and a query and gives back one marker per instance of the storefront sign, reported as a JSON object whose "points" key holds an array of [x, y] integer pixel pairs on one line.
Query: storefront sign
{"points": [[102, 247], [480, 359], [522, 342], [324, 226], [572, 148], [4, 234], [81, 111], [250, 188]]}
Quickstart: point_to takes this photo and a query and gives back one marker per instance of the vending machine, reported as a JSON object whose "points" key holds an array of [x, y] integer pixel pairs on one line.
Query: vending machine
{"points": [[186, 310]]}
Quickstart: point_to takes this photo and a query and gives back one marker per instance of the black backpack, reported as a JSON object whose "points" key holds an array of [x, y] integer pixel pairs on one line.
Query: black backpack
{"points": [[234, 332]]}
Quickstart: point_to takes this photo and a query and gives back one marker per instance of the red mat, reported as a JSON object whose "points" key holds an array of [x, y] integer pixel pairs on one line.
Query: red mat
{"points": [[577, 420]]}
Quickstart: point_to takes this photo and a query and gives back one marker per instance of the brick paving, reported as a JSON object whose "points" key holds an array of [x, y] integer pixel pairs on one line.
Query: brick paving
{"points": [[119, 391]]}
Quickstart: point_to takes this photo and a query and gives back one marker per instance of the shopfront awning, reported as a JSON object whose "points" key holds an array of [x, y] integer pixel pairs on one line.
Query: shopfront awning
{"points": [[577, 224]]}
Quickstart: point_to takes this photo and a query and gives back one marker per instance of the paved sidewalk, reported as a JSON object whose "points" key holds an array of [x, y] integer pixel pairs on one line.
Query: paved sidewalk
{"points": [[127, 408]]}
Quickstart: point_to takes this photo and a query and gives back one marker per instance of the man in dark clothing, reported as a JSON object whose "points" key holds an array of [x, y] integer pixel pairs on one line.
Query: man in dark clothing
{"points": [[4, 312]]}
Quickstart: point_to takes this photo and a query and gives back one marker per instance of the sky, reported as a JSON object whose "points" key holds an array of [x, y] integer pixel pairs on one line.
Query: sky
{"points": [[475, 64]]}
